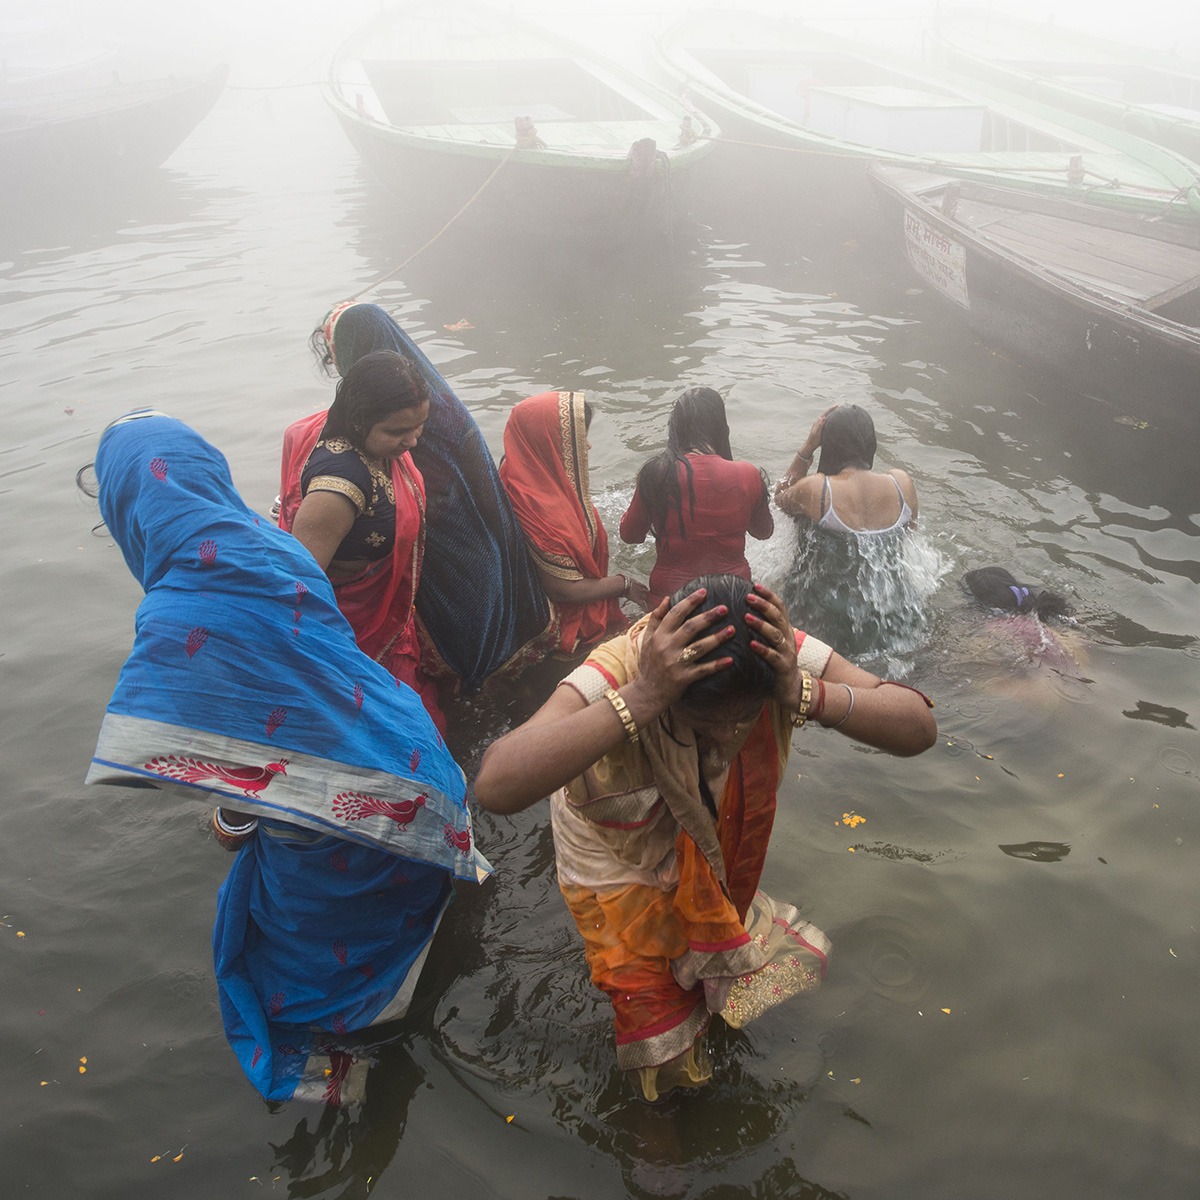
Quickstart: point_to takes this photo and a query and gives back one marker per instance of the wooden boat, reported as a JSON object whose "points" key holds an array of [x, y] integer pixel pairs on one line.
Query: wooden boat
{"points": [[777, 82], [436, 97], [1109, 301], [1154, 95], [74, 137]]}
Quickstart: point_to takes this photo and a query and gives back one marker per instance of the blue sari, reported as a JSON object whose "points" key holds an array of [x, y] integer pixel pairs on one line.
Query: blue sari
{"points": [[245, 688]]}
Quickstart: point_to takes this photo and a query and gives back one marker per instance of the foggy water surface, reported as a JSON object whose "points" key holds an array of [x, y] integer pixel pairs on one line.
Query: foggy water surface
{"points": [[1010, 1003]]}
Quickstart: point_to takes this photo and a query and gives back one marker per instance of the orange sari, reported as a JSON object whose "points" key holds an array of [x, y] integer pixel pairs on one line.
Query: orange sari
{"points": [[379, 602], [545, 472], [667, 900]]}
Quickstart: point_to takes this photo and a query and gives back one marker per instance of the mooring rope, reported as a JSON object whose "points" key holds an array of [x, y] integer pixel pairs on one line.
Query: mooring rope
{"points": [[416, 253]]}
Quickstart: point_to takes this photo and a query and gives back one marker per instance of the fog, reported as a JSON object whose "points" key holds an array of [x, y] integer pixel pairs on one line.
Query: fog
{"points": [[271, 42]]}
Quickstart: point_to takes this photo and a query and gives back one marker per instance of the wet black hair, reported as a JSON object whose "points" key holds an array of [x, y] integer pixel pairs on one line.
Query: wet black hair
{"points": [[378, 385], [847, 440], [748, 674], [998, 588], [697, 423]]}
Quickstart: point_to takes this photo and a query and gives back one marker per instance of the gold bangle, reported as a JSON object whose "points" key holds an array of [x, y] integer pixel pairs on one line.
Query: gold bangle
{"points": [[622, 710], [806, 690]]}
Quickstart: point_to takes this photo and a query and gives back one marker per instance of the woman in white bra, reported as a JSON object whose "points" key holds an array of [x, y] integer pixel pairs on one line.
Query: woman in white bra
{"points": [[845, 495]]}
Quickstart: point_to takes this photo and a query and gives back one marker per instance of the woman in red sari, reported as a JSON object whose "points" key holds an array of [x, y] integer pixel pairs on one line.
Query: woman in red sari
{"points": [[351, 494], [662, 754], [545, 472]]}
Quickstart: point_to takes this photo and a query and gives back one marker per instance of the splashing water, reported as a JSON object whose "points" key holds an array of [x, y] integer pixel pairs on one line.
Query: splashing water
{"points": [[868, 597]]}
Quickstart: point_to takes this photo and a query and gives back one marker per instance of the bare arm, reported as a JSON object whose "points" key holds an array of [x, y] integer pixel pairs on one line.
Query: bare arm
{"points": [[802, 499], [584, 591], [565, 736], [762, 523], [322, 521], [635, 524], [793, 494], [885, 715]]}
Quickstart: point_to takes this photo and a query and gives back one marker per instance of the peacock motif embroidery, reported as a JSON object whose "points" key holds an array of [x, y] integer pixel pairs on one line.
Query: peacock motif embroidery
{"points": [[355, 806]]}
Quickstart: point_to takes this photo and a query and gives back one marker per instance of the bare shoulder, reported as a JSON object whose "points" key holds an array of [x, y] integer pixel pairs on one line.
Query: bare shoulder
{"points": [[904, 479], [803, 498]]}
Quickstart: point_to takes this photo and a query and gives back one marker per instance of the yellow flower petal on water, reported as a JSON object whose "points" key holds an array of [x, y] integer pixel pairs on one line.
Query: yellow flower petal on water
{"points": [[43, 1083], [945, 1010], [1172, 953], [84, 1059], [850, 848], [177, 1158], [83, 1070], [156, 1158], [509, 1120], [20, 934], [1061, 776], [856, 1081]]}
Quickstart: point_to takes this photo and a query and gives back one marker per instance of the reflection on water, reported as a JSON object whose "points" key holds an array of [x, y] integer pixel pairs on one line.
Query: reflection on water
{"points": [[1065, 1063]]}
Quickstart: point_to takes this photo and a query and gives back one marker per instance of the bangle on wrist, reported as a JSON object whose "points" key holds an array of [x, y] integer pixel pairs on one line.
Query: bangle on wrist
{"points": [[846, 716], [624, 584], [804, 458], [806, 691], [622, 710], [819, 707]]}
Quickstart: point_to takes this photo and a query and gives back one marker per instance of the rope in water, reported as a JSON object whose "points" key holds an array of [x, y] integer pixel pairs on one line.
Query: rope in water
{"points": [[417, 253]]}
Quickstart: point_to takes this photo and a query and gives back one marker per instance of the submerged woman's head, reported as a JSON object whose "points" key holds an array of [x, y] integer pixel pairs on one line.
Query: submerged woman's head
{"points": [[847, 440], [380, 405], [749, 681], [998, 588]]}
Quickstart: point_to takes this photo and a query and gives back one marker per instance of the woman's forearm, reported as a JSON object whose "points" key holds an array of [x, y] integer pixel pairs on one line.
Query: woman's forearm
{"points": [[888, 716], [557, 744], [583, 591]]}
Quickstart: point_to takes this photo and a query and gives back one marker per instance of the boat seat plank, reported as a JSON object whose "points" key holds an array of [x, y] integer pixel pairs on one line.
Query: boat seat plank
{"points": [[1135, 285], [1125, 252], [1135, 266], [1068, 261], [1174, 293]]}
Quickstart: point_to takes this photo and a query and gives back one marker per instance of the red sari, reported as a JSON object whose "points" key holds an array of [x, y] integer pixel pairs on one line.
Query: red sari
{"points": [[545, 472], [378, 603]]}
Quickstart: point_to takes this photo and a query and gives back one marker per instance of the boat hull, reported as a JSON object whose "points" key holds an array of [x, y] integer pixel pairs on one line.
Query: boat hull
{"points": [[875, 108], [1111, 63], [1102, 350], [114, 132], [520, 194]]}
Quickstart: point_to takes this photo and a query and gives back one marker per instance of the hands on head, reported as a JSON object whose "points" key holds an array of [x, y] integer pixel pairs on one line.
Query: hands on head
{"points": [[677, 647]]}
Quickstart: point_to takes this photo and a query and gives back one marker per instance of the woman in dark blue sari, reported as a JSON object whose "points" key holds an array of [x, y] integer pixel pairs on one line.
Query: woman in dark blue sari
{"points": [[245, 687]]}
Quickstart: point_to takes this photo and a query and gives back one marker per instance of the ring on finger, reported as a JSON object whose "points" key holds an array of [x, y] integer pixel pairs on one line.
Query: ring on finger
{"points": [[688, 655]]}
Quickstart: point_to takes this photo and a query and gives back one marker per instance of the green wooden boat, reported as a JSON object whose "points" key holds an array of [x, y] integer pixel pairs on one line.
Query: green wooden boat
{"points": [[838, 105], [1154, 95], [436, 97]]}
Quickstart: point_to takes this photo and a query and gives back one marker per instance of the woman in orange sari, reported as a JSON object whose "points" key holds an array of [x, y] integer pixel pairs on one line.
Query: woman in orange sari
{"points": [[545, 472], [351, 494], [663, 752]]}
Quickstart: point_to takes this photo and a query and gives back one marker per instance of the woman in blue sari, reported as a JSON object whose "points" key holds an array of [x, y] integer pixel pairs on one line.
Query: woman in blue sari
{"points": [[245, 687]]}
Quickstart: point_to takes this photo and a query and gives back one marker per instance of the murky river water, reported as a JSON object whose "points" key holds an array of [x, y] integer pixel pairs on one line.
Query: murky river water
{"points": [[1010, 1005]]}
